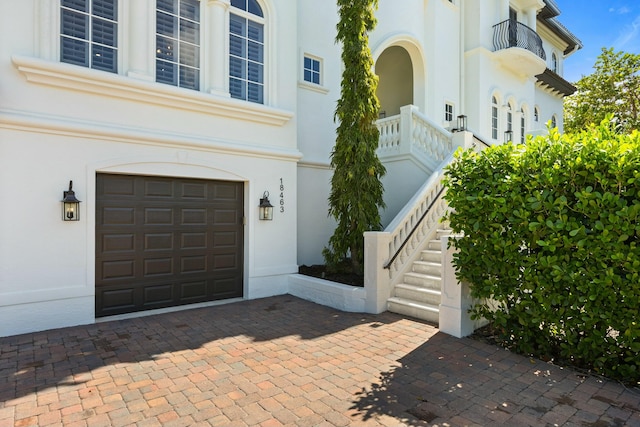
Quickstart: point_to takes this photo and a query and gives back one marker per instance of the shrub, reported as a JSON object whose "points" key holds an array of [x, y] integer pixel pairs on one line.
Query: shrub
{"points": [[552, 236]]}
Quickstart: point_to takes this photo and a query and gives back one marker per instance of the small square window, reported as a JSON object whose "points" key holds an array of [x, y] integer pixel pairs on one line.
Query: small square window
{"points": [[311, 70], [448, 112]]}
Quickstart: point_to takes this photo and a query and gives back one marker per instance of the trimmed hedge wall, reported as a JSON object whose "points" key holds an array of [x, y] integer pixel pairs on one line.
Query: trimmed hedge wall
{"points": [[552, 235]]}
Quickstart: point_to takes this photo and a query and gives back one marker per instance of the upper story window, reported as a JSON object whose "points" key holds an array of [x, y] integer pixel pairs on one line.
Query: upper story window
{"points": [[554, 121], [554, 63], [311, 70], [522, 127], [494, 117], [89, 33], [178, 43], [246, 51], [509, 117], [448, 112], [536, 115]]}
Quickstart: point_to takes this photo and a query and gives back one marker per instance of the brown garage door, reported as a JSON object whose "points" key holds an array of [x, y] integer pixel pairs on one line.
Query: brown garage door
{"points": [[164, 242]]}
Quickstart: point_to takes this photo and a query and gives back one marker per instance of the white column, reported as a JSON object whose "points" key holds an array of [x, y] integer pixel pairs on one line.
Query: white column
{"points": [[141, 53], [532, 18], [504, 10], [215, 46], [47, 24]]}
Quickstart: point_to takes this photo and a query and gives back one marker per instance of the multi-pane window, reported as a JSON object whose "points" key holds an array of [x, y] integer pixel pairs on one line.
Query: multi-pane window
{"points": [[509, 118], [522, 127], [178, 43], [448, 112], [536, 115], [494, 118], [554, 121], [246, 51], [89, 33], [554, 63], [311, 70]]}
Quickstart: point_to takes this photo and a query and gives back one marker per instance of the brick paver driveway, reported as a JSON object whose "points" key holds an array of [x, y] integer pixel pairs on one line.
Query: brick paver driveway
{"points": [[284, 361]]}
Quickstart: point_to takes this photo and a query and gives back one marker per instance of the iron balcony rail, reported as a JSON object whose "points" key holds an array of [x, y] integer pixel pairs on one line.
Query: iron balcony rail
{"points": [[512, 33]]}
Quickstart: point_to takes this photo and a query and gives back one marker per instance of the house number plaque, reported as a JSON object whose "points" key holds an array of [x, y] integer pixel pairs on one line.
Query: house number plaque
{"points": [[281, 195]]}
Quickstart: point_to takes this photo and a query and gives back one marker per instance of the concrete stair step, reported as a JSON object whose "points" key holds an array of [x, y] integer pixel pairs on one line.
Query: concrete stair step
{"points": [[422, 311], [418, 294], [428, 267], [431, 255], [423, 280]]}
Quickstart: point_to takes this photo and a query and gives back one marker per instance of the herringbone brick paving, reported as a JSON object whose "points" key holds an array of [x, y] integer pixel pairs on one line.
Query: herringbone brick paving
{"points": [[284, 361]]}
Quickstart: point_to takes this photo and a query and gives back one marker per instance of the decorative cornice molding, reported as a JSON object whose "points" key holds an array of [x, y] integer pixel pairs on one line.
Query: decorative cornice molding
{"points": [[84, 79]]}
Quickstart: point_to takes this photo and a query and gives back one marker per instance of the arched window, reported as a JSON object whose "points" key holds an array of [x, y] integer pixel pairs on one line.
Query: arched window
{"points": [[522, 127], [536, 115], [554, 121], [246, 51], [509, 117], [554, 63], [494, 118]]}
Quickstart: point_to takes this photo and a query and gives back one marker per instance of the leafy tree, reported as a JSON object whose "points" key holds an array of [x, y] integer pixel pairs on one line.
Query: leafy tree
{"points": [[356, 189], [613, 88]]}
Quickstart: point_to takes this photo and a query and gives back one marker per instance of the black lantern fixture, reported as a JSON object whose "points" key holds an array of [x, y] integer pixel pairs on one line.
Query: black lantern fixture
{"points": [[462, 123], [508, 136], [70, 205], [266, 208]]}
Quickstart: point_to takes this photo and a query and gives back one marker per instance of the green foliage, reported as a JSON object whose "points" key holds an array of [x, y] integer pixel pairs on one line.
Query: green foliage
{"points": [[356, 189], [552, 237], [613, 88]]}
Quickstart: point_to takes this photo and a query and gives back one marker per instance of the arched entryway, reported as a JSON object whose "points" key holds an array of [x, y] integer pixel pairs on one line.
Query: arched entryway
{"points": [[395, 87]]}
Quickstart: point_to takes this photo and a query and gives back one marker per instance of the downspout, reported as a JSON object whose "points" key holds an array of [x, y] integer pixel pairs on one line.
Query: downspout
{"points": [[461, 65]]}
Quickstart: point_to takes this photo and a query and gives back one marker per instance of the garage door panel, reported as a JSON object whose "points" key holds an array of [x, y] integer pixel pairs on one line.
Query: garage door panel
{"points": [[225, 217], [158, 241], [194, 291], [158, 216], [119, 185], [194, 216], [162, 242], [193, 264], [158, 266], [225, 239], [120, 269], [117, 243], [194, 190], [118, 216], [155, 188], [158, 295], [193, 240]]}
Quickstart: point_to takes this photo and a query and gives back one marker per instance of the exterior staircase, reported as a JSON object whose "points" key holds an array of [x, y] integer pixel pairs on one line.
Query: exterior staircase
{"points": [[419, 293]]}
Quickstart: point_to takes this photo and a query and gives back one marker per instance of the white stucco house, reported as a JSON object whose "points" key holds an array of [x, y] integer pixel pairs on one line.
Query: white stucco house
{"points": [[175, 119]]}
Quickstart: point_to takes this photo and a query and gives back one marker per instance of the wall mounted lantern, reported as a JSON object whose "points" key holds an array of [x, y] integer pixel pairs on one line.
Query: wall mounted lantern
{"points": [[462, 123], [70, 205], [508, 136], [266, 208]]}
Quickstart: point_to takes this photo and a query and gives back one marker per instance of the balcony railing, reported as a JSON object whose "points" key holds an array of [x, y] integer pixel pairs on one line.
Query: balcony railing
{"points": [[512, 33]]}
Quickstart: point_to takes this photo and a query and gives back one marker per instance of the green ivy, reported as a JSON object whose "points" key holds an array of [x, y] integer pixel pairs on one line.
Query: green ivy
{"points": [[552, 237]]}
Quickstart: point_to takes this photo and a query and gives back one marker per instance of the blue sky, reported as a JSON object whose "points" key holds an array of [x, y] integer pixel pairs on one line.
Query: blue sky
{"points": [[598, 24]]}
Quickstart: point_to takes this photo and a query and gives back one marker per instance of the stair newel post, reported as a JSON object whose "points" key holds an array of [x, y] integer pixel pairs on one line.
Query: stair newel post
{"points": [[463, 139], [456, 299], [406, 128], [376, 277]]}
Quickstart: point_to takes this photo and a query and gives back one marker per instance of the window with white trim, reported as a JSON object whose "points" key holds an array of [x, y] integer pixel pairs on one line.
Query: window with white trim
{"points": [[536, 115], [494, 118], [89, 33], [509, 118], [246, 51], [554, 62], [554, 121], [311, 70], [448, 112], [178, 43]]}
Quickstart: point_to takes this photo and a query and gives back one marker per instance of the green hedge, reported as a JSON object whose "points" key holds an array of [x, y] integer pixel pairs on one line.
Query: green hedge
{"points": [[552, 235]]}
